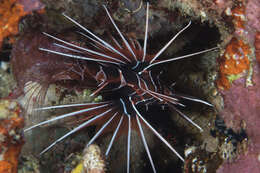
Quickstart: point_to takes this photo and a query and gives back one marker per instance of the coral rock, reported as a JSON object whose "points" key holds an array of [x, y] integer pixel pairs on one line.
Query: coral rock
{"points": [[11, 142], [253, 14], [242, 105], [234, 61], [257, 46], [92, 160], [11, 11]]}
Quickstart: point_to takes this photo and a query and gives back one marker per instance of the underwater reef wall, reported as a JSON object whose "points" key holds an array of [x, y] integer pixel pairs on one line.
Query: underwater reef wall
{"points": [[228, 78]]}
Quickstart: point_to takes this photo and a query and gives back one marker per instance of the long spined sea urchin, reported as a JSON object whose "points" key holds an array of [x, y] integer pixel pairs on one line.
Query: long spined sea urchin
{"points": [[122, 72]]}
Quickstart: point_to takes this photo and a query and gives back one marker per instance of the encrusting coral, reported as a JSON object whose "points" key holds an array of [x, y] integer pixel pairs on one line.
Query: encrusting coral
{"points": [[11, 140], [11, 11], [234, 62]]}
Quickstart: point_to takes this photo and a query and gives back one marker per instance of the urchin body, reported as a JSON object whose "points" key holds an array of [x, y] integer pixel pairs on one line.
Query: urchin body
{"points": [[120, 70]]}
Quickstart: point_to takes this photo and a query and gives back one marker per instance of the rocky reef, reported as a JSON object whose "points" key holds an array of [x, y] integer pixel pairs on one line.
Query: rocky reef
{"points": [[228, 78]]}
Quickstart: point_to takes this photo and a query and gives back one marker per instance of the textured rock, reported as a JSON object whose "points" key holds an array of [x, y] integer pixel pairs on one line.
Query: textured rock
{"points": [[242, 104], [11, 141]]}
